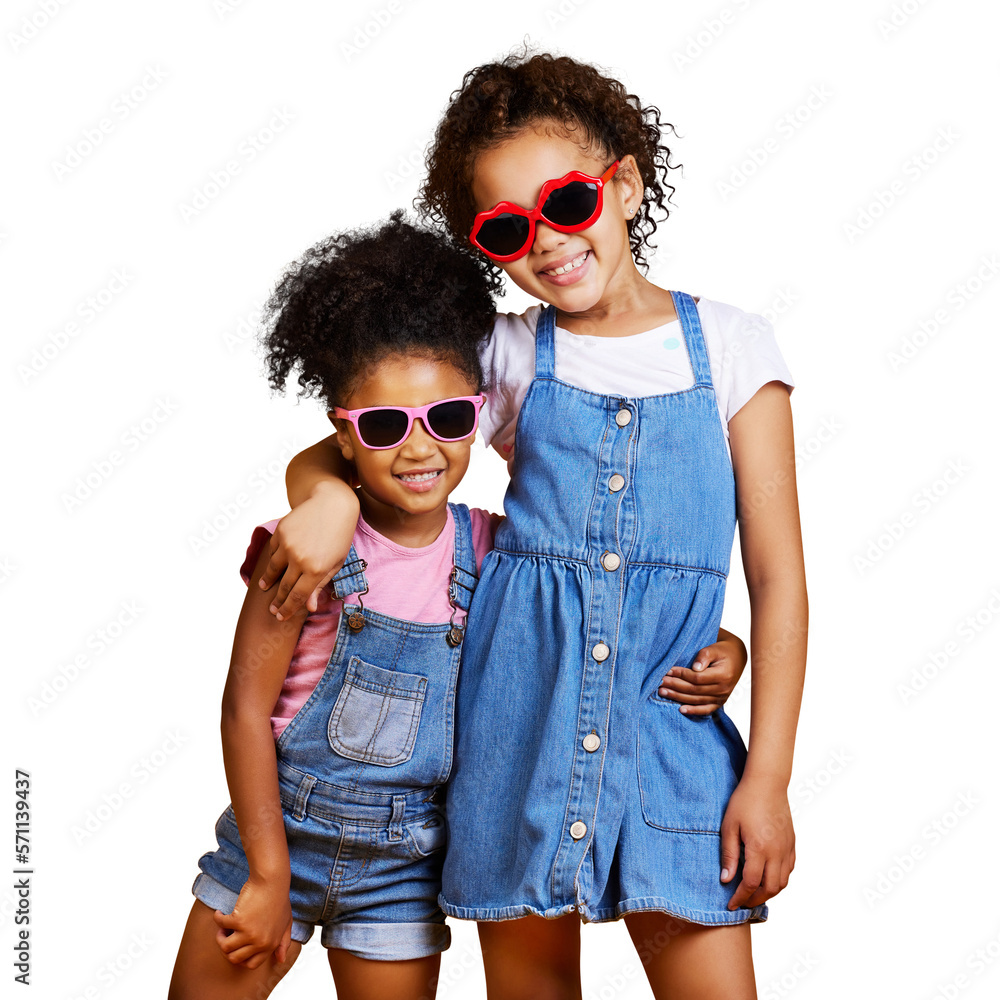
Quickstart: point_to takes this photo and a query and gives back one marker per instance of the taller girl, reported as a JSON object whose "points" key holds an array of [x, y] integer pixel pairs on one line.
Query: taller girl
{"points": [[645, 426]]}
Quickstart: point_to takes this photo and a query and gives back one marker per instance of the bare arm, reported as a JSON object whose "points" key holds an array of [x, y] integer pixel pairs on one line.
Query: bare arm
{"points": [[262, 650], [311, 543], [771, 543]]}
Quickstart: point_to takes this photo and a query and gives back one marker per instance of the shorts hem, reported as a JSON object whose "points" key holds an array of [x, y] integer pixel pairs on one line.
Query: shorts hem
{"points": [[396, 942], [658, 904], [388, 942]]}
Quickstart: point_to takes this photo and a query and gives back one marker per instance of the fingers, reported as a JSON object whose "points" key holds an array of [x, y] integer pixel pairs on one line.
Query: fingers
{"points": [[753, 876], [281, 952], [707, 709], [693, 688], [276, 565], [291, 599], [763, 878], [729, 850], [238, 947]]}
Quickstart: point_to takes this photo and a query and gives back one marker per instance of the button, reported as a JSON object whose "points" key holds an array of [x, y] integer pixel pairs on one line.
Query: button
{"points": [[611, 561], [622, 417], [578, 830], [591, 742], [616, 482], [601, 651]]}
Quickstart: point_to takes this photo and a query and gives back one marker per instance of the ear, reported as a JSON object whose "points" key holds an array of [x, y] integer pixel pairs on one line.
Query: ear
{"points": [[629, 185], [343, 436]]}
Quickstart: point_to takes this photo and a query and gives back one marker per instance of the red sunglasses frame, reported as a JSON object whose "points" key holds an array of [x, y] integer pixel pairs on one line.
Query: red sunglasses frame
{"points": [[508, 207], [412, 413]]}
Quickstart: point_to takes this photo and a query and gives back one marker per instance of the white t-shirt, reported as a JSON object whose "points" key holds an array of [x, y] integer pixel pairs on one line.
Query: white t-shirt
{"points": [[742, 352]]}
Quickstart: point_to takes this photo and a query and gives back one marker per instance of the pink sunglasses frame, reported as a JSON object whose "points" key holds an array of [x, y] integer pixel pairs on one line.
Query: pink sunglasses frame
{"points": [[508, 207], [412, 413]]}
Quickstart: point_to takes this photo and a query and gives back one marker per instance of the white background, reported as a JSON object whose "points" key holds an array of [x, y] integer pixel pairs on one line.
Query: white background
{"points": [[894, 792]]}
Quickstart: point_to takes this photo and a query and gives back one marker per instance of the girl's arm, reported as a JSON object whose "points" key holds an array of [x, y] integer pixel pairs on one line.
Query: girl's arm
{"points": [[311, 543], [262, 650], [760, 435]]}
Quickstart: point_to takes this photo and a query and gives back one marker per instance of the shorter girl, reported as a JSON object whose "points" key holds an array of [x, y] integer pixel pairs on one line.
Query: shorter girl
{"points": [[336, 761]]}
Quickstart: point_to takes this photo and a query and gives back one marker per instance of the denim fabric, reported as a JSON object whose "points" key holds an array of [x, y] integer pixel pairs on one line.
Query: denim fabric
{"points": [[360, 768], [566, 643]]}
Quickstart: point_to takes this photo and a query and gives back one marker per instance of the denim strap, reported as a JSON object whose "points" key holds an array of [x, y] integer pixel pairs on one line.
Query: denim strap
{"points": [[351, 577], [463, 576], [687, 313], [545, 344]]}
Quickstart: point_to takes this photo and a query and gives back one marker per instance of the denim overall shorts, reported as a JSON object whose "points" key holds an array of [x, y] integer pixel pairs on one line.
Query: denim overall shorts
{"points": [[361, 770], [577, 788]]}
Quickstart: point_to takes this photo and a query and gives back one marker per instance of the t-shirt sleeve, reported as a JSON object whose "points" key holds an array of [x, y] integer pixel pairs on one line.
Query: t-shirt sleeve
{"points": [[744, 355], [260, 537], [484, 530], [508, 360]]}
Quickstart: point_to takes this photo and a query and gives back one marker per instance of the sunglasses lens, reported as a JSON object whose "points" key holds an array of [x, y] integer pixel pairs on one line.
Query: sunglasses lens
{"points": [[572, 204], [382, 428], [452, 420], [504, 235]]}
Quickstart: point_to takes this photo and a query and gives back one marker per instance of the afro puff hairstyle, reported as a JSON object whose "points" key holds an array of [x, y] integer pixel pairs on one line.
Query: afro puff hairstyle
{"points": [[358, 297]]}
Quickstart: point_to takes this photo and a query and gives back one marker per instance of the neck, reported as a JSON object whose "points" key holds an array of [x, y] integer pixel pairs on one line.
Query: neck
{"points": [[631, 305], [411, 530]]}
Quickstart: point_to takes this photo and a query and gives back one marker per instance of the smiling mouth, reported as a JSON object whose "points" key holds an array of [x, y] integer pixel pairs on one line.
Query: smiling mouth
{"points": [[572, 265], [419, 477]]}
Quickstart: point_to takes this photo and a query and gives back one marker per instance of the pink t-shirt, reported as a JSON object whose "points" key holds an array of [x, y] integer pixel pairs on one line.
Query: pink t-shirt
{"points": [[411, 584]]}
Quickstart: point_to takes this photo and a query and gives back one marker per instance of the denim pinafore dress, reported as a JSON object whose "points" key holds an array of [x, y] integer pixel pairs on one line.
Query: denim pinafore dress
{"points": [[575, 786], [360, 773]]}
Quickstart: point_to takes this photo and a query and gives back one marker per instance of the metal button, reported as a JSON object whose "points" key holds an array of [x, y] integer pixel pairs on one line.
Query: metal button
{"points": [[591, 742], [601, 651], [616, 482], [611, 561], [622, 417], [578, 830]]}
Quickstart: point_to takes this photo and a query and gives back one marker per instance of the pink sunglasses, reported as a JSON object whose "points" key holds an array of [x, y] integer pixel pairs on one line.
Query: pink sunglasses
{"points": [[381, 427]]}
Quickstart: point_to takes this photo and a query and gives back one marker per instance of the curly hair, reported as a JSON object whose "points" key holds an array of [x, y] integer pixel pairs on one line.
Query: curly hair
{"points": [[357, 297], [499, 99]]}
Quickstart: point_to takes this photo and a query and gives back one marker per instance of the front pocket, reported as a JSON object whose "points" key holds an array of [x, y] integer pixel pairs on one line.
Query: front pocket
{"points": [[427, 836], [688, 767], [377, 714]]}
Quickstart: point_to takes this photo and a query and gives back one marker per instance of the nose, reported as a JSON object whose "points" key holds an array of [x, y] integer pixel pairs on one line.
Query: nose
{"points": [[419, 442], [547, 238]]}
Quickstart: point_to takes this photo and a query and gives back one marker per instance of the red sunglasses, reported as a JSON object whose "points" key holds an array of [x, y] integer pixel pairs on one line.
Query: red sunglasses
{"points": [[574, 202], [381, 427]]}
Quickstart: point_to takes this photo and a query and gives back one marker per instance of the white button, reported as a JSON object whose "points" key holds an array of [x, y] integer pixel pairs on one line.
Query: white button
{"points": [[591, 742], [622, 417], [578, 830], [616, 482], [611, 561], [601, 651]]}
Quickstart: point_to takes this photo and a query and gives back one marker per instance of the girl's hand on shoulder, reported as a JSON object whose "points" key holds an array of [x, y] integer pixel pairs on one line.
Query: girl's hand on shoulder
{"points": [[708, 683], [758, 818], [308, 547], [260, 925]]}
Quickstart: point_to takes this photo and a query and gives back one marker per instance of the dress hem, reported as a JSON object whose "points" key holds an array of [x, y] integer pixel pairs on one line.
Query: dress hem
{"points": [[655, 904]]}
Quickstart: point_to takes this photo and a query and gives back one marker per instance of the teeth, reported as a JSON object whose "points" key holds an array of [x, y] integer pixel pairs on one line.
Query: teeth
{"points": [[419, 477], [571, 266]]}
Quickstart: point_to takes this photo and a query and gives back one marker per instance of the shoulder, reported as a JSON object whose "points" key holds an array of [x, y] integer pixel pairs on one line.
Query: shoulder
{"points": [[743, 353], [728, 322], [515, 328]]}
